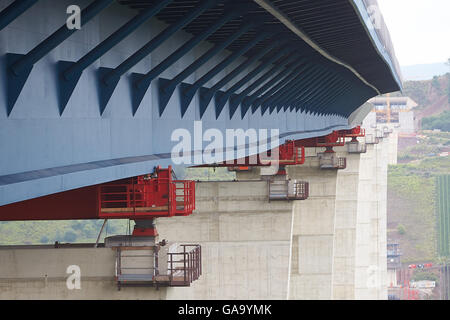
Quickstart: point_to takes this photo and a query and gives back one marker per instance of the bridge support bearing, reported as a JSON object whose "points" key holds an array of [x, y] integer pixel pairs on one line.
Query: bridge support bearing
{"points": [[145, 228]]}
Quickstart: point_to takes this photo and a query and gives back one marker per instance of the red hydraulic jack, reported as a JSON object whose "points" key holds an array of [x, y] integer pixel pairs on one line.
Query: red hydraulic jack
{"points": [[144, 228]]}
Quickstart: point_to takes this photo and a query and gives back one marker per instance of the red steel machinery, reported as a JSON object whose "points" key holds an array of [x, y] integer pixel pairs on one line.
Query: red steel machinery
{"points": [[288, 154], [292, 152], [147, 196], [141, 198], [354, 133], [157, 194]]}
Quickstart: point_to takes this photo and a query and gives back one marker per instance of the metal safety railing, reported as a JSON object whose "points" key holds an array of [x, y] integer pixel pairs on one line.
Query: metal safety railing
{"points": [[301, 190], [135, 265], [154, 198], [288, 154], [331, 162], [341, 163], [356, 147], [134, 268], [184, 194], [185, 267], [288, 190]]}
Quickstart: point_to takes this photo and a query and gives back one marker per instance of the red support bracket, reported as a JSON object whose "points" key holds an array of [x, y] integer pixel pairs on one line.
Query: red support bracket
{"points": [[147, 196]]}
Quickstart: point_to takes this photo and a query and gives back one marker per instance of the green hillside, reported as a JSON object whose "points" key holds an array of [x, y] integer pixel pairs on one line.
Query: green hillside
{"points": [[440, 122], [412, 201], [412, 188], [45, 232]]}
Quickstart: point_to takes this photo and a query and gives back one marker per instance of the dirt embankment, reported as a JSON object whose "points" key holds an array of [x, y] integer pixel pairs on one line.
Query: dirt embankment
{"points": [[440, 104], [432, 96]]}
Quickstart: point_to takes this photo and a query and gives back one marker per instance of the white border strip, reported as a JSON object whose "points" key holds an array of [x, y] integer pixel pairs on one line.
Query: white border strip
{"points": [[265, 4]]}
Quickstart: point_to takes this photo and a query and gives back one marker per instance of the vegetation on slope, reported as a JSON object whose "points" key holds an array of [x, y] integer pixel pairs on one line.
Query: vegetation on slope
{"points": [[46, 232], [426, 92], [411, 198], [430, 144], [441, 122], [415, 220], [432, 97]]}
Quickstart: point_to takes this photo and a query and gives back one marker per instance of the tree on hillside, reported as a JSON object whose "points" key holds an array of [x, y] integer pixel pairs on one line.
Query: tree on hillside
{"points": [[441, 122]]}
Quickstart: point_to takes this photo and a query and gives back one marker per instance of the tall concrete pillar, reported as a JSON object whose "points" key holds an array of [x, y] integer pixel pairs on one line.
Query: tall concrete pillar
{"points": [[313, 234], [245, 241], [382, 166], [347, 187], [366, 230], [371, 255], [392, 147]]}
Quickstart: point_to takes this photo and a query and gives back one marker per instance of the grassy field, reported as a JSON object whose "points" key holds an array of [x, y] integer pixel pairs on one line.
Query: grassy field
{"points": [[443, 214]]}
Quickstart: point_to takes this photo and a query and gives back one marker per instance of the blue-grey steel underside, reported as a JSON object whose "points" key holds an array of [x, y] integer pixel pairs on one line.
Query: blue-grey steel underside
{"points": [[82, 107]]}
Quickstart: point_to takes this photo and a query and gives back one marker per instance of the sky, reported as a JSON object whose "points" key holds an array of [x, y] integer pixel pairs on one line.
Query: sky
{"points": [[420, 29]]}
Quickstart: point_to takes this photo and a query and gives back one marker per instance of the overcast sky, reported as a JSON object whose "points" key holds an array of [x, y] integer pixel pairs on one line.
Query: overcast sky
{"points": [[420, 29]]}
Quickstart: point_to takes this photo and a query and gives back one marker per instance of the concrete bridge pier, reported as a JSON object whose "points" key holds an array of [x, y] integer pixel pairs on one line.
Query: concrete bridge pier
{"points": [[347, 188], [313, 230], [330, 246], [383, 158], [245, 241], [365, 208], [371, 261]]}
